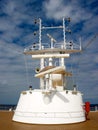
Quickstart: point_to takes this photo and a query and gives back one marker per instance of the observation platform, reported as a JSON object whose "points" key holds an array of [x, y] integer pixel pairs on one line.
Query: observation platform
{"points": [[49, 50]]}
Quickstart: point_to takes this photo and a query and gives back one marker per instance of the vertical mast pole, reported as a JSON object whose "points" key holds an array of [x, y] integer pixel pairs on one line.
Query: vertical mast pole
{"points": [[40, 33], [64, 33], [64, 46], [42, 59]]}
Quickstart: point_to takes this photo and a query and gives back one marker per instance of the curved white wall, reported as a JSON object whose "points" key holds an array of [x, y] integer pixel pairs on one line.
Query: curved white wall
{"points": [[54, 107]]}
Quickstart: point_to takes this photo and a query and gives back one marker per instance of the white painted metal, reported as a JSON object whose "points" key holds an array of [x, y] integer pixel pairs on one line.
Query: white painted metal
{"points": [[51, 104], [64, 33], [49, 107], [53, 70], [41, 79], [50, 55]]}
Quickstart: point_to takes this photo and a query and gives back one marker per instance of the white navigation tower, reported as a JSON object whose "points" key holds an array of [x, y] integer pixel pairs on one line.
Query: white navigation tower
{"points": [[53, 102]]}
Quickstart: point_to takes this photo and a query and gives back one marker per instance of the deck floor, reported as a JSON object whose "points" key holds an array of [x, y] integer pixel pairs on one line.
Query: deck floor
{"points": [[6, 123]]}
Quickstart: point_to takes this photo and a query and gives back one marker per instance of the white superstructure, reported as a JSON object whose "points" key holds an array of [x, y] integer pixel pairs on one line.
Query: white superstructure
{"points": [[53, 102]]}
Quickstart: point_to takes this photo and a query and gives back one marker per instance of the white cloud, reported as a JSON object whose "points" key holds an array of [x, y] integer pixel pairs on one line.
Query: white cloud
{"points": [[57, 9]]}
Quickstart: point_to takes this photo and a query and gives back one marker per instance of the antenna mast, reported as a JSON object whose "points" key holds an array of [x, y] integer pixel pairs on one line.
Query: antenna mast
{"points": [[64, 33], [40, 27]]}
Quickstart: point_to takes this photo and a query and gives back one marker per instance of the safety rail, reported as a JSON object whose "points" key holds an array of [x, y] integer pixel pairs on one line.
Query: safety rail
{"points": [[69, 46]]}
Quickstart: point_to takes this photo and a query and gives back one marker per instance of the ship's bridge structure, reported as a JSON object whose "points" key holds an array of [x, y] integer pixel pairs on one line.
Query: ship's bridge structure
{"points": [[52, 103], [52, 75]]}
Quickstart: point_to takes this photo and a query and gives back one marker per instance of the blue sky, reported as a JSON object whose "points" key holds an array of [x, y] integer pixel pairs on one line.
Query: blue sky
{"points": [[16, 33]]}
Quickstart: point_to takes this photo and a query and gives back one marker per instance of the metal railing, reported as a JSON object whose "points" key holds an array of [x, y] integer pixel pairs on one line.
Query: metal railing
{"points": [[69, 46]]}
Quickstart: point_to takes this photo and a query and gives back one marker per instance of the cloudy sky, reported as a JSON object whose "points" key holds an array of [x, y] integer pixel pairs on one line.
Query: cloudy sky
{"points": [[16, 33]]}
